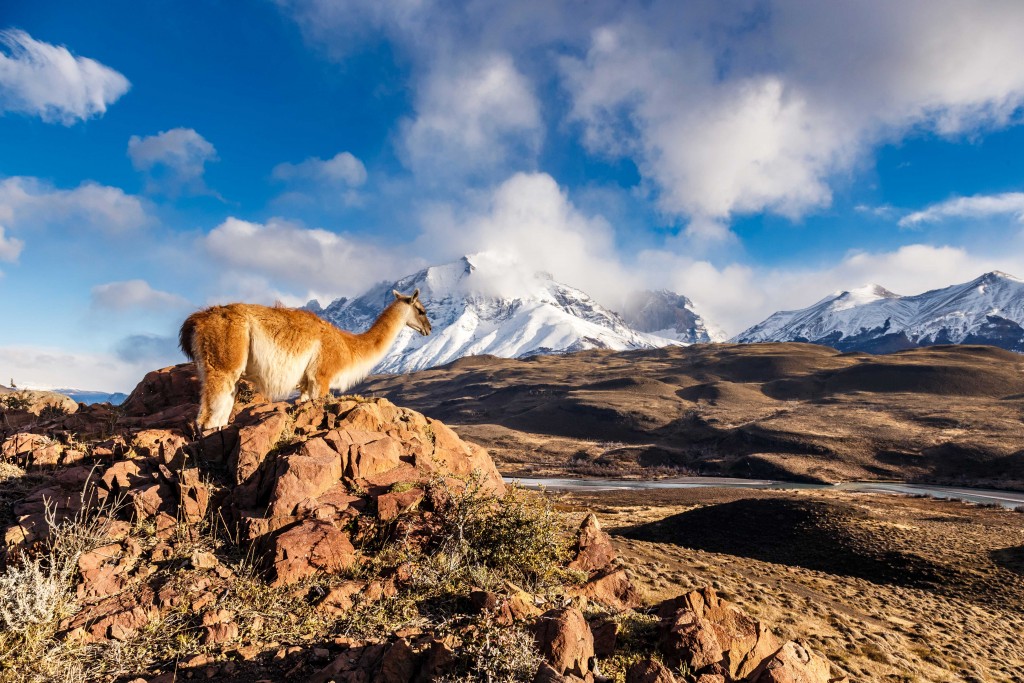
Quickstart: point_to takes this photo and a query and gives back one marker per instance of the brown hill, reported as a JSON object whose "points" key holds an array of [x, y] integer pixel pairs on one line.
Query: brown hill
{"points": [[788, 411]]}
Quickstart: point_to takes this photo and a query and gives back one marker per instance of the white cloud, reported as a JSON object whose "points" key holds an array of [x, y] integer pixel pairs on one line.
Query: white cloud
{"points": [[256, 257], [341, 169], [37, 366], [30, 204], [731, 112], [476, 115], [528, 218], [134, 295], [10, 247], [978, 206], [173, 161], [48, 81]]}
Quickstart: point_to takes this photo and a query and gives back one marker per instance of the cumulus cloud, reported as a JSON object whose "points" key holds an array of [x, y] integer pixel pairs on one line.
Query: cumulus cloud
{"points": [[173, 161], [341, 169], [45, 80], [318, 262], [10, 247], [150, 349], [31, 204], [325, 183], [732, 112], [36, 366], [134, 295], [978, 206], [529, 219], [725, 108], [478, 115]]}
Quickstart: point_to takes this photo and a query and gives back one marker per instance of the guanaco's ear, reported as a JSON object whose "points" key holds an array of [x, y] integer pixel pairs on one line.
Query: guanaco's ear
{"points": [[416, 294], [398, 295]]}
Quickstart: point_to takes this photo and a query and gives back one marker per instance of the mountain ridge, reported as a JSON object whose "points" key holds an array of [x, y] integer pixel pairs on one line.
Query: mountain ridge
{"points": [[486, 304], [986, 310]]}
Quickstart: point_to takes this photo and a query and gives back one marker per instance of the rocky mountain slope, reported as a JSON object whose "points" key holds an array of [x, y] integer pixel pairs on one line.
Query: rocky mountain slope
{"points": [[669, 315], [987, 310], [781, 411], [486, 305]]}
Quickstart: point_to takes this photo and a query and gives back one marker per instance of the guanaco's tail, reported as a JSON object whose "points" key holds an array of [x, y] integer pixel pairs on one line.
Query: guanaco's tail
{"points": [[186, 335]]}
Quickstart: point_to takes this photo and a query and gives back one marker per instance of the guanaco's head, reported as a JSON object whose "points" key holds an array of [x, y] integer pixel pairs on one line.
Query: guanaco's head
{"points": [[417, 317]]}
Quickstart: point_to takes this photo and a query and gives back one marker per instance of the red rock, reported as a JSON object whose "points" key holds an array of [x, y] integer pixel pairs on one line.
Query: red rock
{"points": [[564, 639], [220, 633], [255, 442], [339, 599], [743, 641], [547, 674], [315, 469], [710, 678], [201, 560], [159, 444], [373, 457], [32, 450], [162, 389], [594, 548], [148, 500], [399, 663], [613, 589], [793, 663], [121, 475], [391, 505], [649, 671], [219, 616], [692, 640], [307, 548], [606, 632]]}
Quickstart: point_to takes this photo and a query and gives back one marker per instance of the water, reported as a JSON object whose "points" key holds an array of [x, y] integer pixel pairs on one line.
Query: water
{"points": [[1007, 499]]}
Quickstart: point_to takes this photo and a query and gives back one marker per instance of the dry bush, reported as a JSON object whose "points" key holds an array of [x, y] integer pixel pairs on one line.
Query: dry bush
{"points": [[493, 653], [519, 536]]}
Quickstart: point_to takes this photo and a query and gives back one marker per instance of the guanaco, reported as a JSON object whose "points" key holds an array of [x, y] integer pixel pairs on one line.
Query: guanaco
{"points": [[281, 349]]}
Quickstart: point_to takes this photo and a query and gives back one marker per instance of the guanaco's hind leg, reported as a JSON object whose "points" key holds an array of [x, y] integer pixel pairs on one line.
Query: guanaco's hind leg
{"points": [[218, 398], [221, 351]]}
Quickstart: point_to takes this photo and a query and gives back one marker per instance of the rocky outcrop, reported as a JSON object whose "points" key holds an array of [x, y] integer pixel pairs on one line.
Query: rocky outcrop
{"points": [[718, 641], [36, 402]]}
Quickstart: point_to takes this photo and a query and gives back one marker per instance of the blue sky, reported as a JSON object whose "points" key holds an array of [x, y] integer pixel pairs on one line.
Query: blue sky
{"points": [[753, 155]]}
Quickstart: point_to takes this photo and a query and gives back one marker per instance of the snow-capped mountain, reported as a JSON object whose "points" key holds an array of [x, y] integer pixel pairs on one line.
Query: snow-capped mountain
{"points": [[670, 315], [987, 310], [485, 304]]}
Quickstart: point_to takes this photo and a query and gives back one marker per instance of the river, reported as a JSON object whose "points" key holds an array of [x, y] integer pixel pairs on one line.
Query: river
{"points": [[1007, 499]]}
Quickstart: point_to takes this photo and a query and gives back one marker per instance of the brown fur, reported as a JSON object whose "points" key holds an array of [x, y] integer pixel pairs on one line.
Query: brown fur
{"points": [[279, 349]]}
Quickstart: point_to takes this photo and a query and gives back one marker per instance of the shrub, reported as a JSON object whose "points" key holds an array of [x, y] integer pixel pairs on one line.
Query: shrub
{"points": [[519, 536], [489, 652]]}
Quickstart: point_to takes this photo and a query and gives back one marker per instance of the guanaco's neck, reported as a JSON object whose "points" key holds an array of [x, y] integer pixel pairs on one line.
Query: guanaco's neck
{"points": [[385, 329]]}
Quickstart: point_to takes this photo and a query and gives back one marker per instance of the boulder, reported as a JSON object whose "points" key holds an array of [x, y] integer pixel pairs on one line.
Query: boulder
{"points": [[564, 640], [702, 629], [173, 387], [594, 548], [315, 469], [611, 588], [307, 548], [36, 402], [649, 671], [793, 663]]}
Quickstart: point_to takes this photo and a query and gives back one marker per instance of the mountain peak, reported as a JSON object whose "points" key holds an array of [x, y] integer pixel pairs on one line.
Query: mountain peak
{"points": [[987, 310], [996, 275], [490, 303]]}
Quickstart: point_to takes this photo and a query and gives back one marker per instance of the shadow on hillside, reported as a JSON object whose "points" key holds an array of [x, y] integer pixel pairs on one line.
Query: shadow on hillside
{"points": [[808, 534]]}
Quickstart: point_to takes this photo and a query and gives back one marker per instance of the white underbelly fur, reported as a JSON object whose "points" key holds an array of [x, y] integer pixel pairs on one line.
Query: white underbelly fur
{"points": [[275, 371]]}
